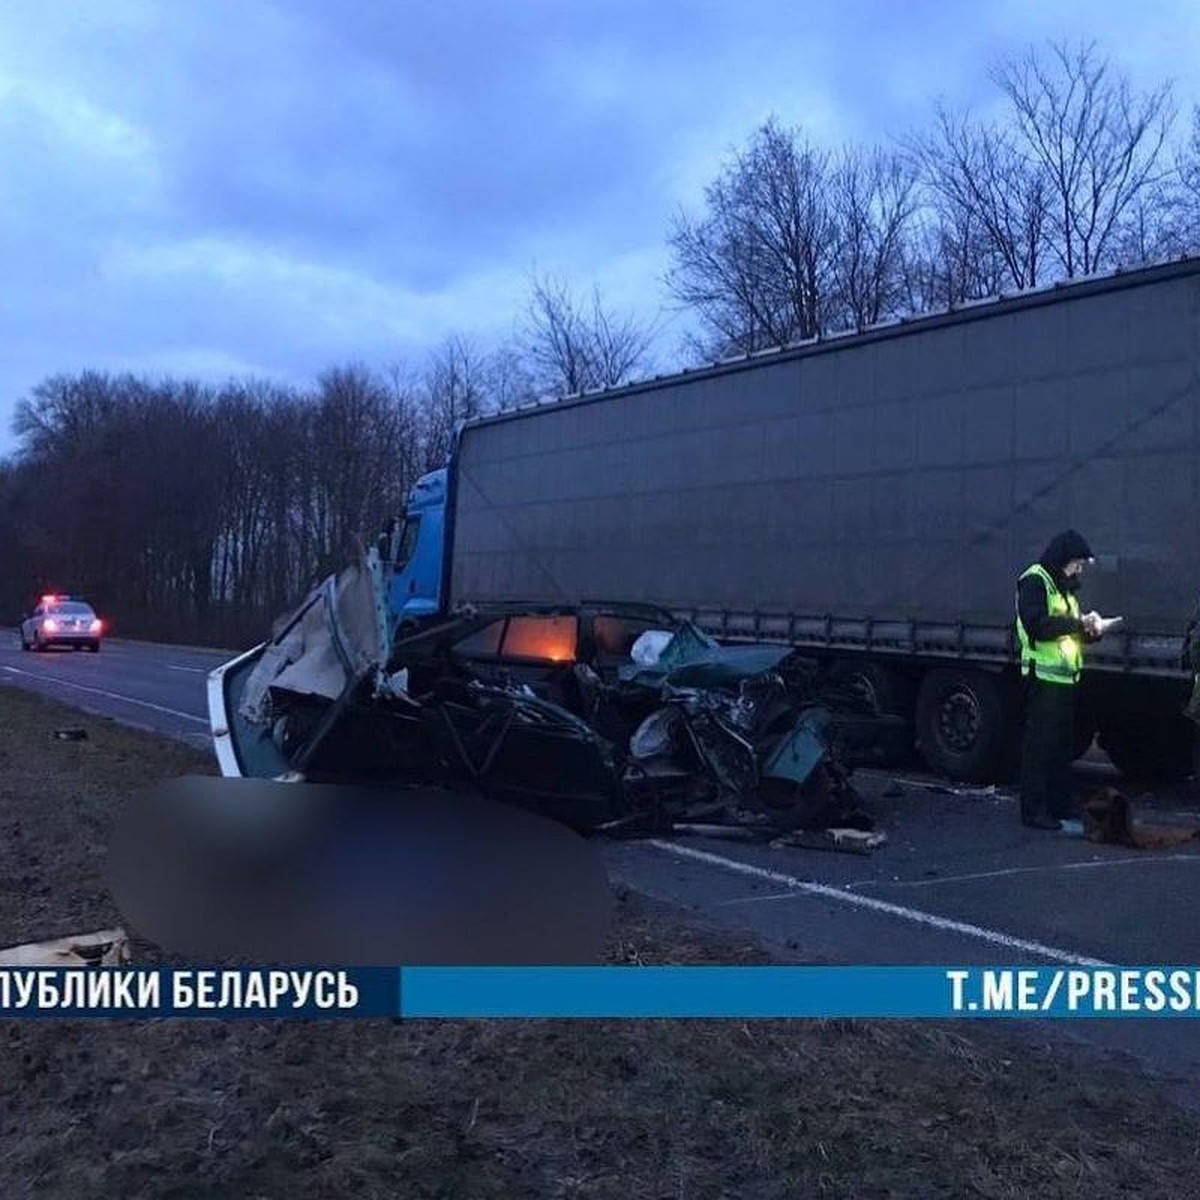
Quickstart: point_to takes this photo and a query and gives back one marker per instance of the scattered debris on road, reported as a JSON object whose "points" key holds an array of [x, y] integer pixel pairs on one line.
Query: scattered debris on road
{"points": [[843, 841], [108, 948], [945, 789], [71, 735]]}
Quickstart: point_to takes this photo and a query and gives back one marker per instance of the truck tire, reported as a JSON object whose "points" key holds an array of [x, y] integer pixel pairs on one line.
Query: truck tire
{"points": [[889, 692], [962, 724], [1150, 746]]}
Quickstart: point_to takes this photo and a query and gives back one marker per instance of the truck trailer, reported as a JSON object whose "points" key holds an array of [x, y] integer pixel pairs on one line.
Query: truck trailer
{"points": [[871, 498]]}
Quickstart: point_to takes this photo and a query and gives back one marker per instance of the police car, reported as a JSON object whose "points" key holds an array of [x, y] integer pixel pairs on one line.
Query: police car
{"points": [[62, 621]]}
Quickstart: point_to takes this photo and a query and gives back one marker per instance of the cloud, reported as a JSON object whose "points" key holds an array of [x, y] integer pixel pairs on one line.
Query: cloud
{"points": [[285, 185]]}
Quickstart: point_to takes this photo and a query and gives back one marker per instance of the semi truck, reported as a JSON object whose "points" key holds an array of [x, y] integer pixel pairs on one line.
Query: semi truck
{"points": [[871, 498]]}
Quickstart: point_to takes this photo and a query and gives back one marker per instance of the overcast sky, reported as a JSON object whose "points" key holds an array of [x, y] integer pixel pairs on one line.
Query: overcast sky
{"points": [[209, 188]]}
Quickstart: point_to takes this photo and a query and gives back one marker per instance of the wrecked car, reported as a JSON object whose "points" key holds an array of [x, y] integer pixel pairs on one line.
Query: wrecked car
{"points": [[605, 716]]}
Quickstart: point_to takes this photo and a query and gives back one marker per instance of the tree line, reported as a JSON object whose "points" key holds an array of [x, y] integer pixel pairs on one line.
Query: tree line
{"points": [[1075, 171], [189, 511], [202, 512]]}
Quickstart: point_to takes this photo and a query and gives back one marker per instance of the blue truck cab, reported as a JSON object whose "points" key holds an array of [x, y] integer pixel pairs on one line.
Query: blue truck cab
{"points": [[417, 553]]}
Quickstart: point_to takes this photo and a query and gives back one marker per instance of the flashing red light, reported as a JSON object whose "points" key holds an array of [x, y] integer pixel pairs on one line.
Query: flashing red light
{"points": [[50, 599], [49, 624]]}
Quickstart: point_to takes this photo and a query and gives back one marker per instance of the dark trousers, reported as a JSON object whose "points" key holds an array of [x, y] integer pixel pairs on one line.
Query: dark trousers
{"points": [[1049, 741]]}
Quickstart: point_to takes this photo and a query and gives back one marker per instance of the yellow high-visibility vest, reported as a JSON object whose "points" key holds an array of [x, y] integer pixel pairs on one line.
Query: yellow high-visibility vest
{"points": [[1059, 660]]}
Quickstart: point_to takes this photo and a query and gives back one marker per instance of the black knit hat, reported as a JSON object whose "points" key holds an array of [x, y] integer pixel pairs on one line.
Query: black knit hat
{"points": [[1065, 547]]}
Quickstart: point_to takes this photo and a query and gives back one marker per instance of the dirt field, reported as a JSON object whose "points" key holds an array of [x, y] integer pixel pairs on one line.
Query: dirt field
{"points": [[672, 1110]]}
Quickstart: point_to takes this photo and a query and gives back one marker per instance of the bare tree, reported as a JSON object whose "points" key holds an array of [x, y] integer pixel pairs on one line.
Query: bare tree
{"points": [[950, 258], [756, 265], [510, 381], [572, 346], [873, 197], [356, 443], [1099, 143], [1186, 225], [455, 388], [981, 180]]}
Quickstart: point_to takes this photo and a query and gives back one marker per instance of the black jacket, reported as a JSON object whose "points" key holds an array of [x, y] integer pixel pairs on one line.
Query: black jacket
{"points": [[1031, 592]]}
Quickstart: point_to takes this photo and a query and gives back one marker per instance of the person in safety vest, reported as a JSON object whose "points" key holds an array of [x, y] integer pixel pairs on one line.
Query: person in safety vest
{"points": [[1052, 633]]}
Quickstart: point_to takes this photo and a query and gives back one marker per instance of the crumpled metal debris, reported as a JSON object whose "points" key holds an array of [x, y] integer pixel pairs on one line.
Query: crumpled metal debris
{"points": [[71, 735], [845, 841], [684, 724], [330, 640], [107, 948]]}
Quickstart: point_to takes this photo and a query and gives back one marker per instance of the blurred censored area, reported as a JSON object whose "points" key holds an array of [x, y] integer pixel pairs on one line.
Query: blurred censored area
{"points": [[297, 874]]}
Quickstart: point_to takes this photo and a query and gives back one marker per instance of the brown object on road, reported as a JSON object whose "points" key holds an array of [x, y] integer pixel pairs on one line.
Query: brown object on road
{"points": [[1108, 818]]}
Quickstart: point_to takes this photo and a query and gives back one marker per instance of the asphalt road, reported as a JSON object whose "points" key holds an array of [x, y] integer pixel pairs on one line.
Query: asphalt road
{"points": [[959, 881], [160, 688]]}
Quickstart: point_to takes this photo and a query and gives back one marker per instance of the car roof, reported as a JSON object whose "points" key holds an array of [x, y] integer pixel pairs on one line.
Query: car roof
{"points": [[495, 609]]}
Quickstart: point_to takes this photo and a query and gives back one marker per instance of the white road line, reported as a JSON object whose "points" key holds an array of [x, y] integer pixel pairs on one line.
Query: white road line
{"points": [[916, 916], [1128, 860], [173, 712], [190, 670]]}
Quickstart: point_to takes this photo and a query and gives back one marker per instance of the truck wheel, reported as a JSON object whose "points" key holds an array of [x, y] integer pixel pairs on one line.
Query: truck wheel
{"points": [[1150, 746], [889, 692], [886, 690], [962, 725]]}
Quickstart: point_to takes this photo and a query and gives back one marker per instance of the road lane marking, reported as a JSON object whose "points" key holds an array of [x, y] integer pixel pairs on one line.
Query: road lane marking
{"points": [[173, 712], [914, 915], [1126, 861], [190, 670]]}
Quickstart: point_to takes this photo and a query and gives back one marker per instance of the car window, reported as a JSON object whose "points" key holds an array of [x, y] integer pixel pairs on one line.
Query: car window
{"points": [[551, 639], [483, 643], [615, 635], [408, 541], [70, 608]]}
